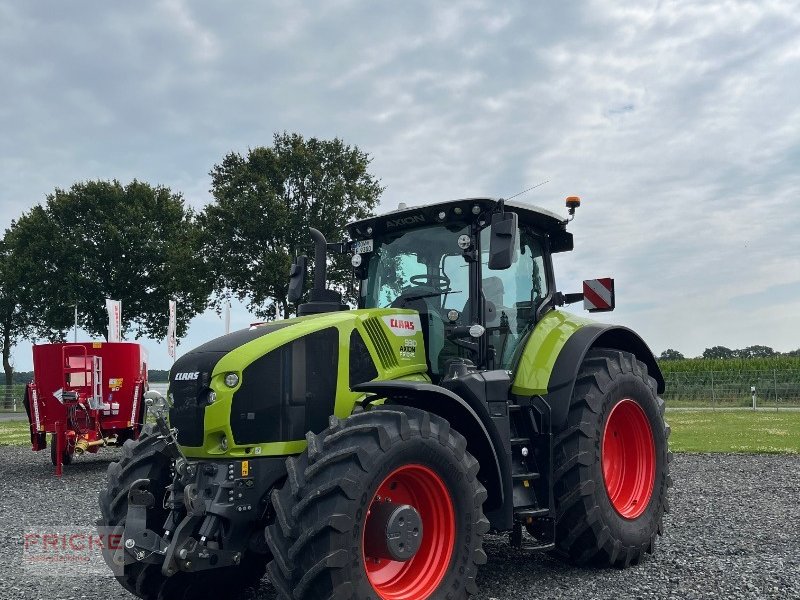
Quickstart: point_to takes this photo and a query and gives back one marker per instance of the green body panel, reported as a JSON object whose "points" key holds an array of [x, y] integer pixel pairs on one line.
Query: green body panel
{"points": [[542, 349], [398, 353]]}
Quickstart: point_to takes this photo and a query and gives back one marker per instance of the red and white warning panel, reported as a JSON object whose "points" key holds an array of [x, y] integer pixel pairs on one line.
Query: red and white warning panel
{"points": [[598, 294]]}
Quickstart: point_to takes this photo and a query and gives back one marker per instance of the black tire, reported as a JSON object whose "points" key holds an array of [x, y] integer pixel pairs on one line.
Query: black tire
{"points": [[589, 529], [66, 455], [321, 511], [145, 458]]}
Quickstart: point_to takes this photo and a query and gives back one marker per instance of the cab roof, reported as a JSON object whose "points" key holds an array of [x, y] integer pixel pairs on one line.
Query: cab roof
{"points": [[407, 217]]}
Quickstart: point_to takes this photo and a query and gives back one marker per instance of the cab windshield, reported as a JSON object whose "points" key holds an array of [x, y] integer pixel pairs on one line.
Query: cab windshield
{"points": [[418, 263]]}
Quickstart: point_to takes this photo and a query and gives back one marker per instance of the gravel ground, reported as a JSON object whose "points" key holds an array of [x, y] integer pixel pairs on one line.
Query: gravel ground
{"points": [[732, 533]]}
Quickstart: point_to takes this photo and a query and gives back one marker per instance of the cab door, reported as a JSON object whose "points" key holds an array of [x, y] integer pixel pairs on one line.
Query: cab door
{"points": [[513, 296]]}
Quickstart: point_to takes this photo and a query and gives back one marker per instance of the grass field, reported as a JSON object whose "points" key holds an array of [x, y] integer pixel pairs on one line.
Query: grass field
{"points": [[14, 433], [692, 431], [735, 431]]}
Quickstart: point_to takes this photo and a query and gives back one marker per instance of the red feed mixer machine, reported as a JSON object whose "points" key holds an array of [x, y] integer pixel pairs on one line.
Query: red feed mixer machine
{"points": [[86, 395]]}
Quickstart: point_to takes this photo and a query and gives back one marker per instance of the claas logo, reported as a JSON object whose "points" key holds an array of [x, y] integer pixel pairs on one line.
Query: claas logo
{"points": [[192, 376], [401, 324]]}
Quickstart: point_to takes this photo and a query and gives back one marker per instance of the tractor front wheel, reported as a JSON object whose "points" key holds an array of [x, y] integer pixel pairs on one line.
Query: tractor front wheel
{"points": [[611, 463], [146, 458], [383, 505]]}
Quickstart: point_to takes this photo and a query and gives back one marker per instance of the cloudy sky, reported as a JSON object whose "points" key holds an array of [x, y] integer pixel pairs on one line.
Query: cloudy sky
{"points": [[678, 123]]}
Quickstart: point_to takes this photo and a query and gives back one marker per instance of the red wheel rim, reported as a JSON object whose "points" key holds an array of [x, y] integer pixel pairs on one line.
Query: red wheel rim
{"points": [[629, 459], [418, 577]]}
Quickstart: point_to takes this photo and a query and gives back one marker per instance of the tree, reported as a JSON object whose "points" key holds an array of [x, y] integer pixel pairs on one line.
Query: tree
{"points": [[718, 352], [264, 204], [135, 243], [756, 352], [793, 352], [671, 354], [15, 322]]}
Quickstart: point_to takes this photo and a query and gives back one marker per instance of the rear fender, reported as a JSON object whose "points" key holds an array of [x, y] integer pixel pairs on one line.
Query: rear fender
{"points": [[556, 350], [473, 422]]}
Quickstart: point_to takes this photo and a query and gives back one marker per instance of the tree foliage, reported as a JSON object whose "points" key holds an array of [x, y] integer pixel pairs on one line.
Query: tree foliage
{"points": [[756, 352], [16, 322], [718, 352], [135, 243], [265, 202], [749, 352], [670, 354]]}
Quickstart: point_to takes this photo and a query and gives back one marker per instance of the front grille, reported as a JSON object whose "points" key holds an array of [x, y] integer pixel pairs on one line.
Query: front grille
{"points": [[381, 343], [289, 391], [189, 395]]}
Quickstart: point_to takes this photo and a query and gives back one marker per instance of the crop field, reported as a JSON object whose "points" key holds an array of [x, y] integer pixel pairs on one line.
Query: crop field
{"points": [[728, 382], [690, 365]]}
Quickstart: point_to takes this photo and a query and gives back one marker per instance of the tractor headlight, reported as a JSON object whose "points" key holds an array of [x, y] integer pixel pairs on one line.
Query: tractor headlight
{"points": [[476, 330], [223, 443], [231, 380], [212, 397]]}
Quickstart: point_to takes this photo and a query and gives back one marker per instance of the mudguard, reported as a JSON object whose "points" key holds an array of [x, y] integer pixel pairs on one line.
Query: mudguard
{"points": [[555, 350], [473, 422]]}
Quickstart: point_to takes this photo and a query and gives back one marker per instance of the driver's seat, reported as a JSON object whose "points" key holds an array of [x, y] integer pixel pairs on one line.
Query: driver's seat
{"points": [[492, 296], [432, 325]]}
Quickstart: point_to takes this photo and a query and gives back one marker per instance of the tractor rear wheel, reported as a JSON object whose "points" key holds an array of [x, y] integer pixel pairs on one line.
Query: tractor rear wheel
{"points": [[145, 458], [383, 505], [611, 463]]}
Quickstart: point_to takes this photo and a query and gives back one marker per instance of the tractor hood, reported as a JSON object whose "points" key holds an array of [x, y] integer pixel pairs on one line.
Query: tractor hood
{"points": [[260, 390]]}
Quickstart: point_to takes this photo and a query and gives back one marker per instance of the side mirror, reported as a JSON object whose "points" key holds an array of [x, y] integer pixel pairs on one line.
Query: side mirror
{"points": [[502, 240], [297, 279]]}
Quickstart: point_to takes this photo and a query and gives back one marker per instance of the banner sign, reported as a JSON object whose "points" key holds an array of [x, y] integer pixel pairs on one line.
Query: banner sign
{"points": [[171, 330], [114, 308]]}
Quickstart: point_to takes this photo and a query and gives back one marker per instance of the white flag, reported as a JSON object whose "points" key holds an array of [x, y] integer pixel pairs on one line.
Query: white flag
{"points": [[171, 330], [114, 309]]}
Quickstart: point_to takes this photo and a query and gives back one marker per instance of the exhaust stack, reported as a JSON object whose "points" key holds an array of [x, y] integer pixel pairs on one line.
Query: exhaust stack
{"points": [[322, 299], [320, 261]]}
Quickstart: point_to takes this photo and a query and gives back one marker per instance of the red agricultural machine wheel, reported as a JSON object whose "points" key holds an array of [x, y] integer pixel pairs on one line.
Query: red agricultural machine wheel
{"points": [[611, 463], [629, 458], [411, 505], [369, 511]]}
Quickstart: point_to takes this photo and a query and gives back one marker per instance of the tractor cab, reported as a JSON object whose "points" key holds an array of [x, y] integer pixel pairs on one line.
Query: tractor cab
{"points": [[478, 271]]}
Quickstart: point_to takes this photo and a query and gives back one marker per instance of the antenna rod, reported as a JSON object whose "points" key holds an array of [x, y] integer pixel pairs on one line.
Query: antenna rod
{"points": [[528, 190]]}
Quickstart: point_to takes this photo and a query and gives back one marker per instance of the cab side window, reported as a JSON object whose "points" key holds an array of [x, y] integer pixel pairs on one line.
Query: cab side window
{"points": [[513, 295]]}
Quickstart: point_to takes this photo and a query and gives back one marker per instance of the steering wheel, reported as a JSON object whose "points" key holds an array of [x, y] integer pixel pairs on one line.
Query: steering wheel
{"points": [[439, 283]]}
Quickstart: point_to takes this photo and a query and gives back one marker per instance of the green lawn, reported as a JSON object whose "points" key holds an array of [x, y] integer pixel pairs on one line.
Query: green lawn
{"points": [[14, 433], [735, 431], [692, 431]]}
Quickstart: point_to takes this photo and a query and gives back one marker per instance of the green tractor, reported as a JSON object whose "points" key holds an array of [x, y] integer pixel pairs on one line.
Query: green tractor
{"points": [[365, 453]]}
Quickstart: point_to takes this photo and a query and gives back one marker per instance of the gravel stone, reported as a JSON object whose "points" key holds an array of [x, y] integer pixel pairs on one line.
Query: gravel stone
{"points": [[733, 532]]}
